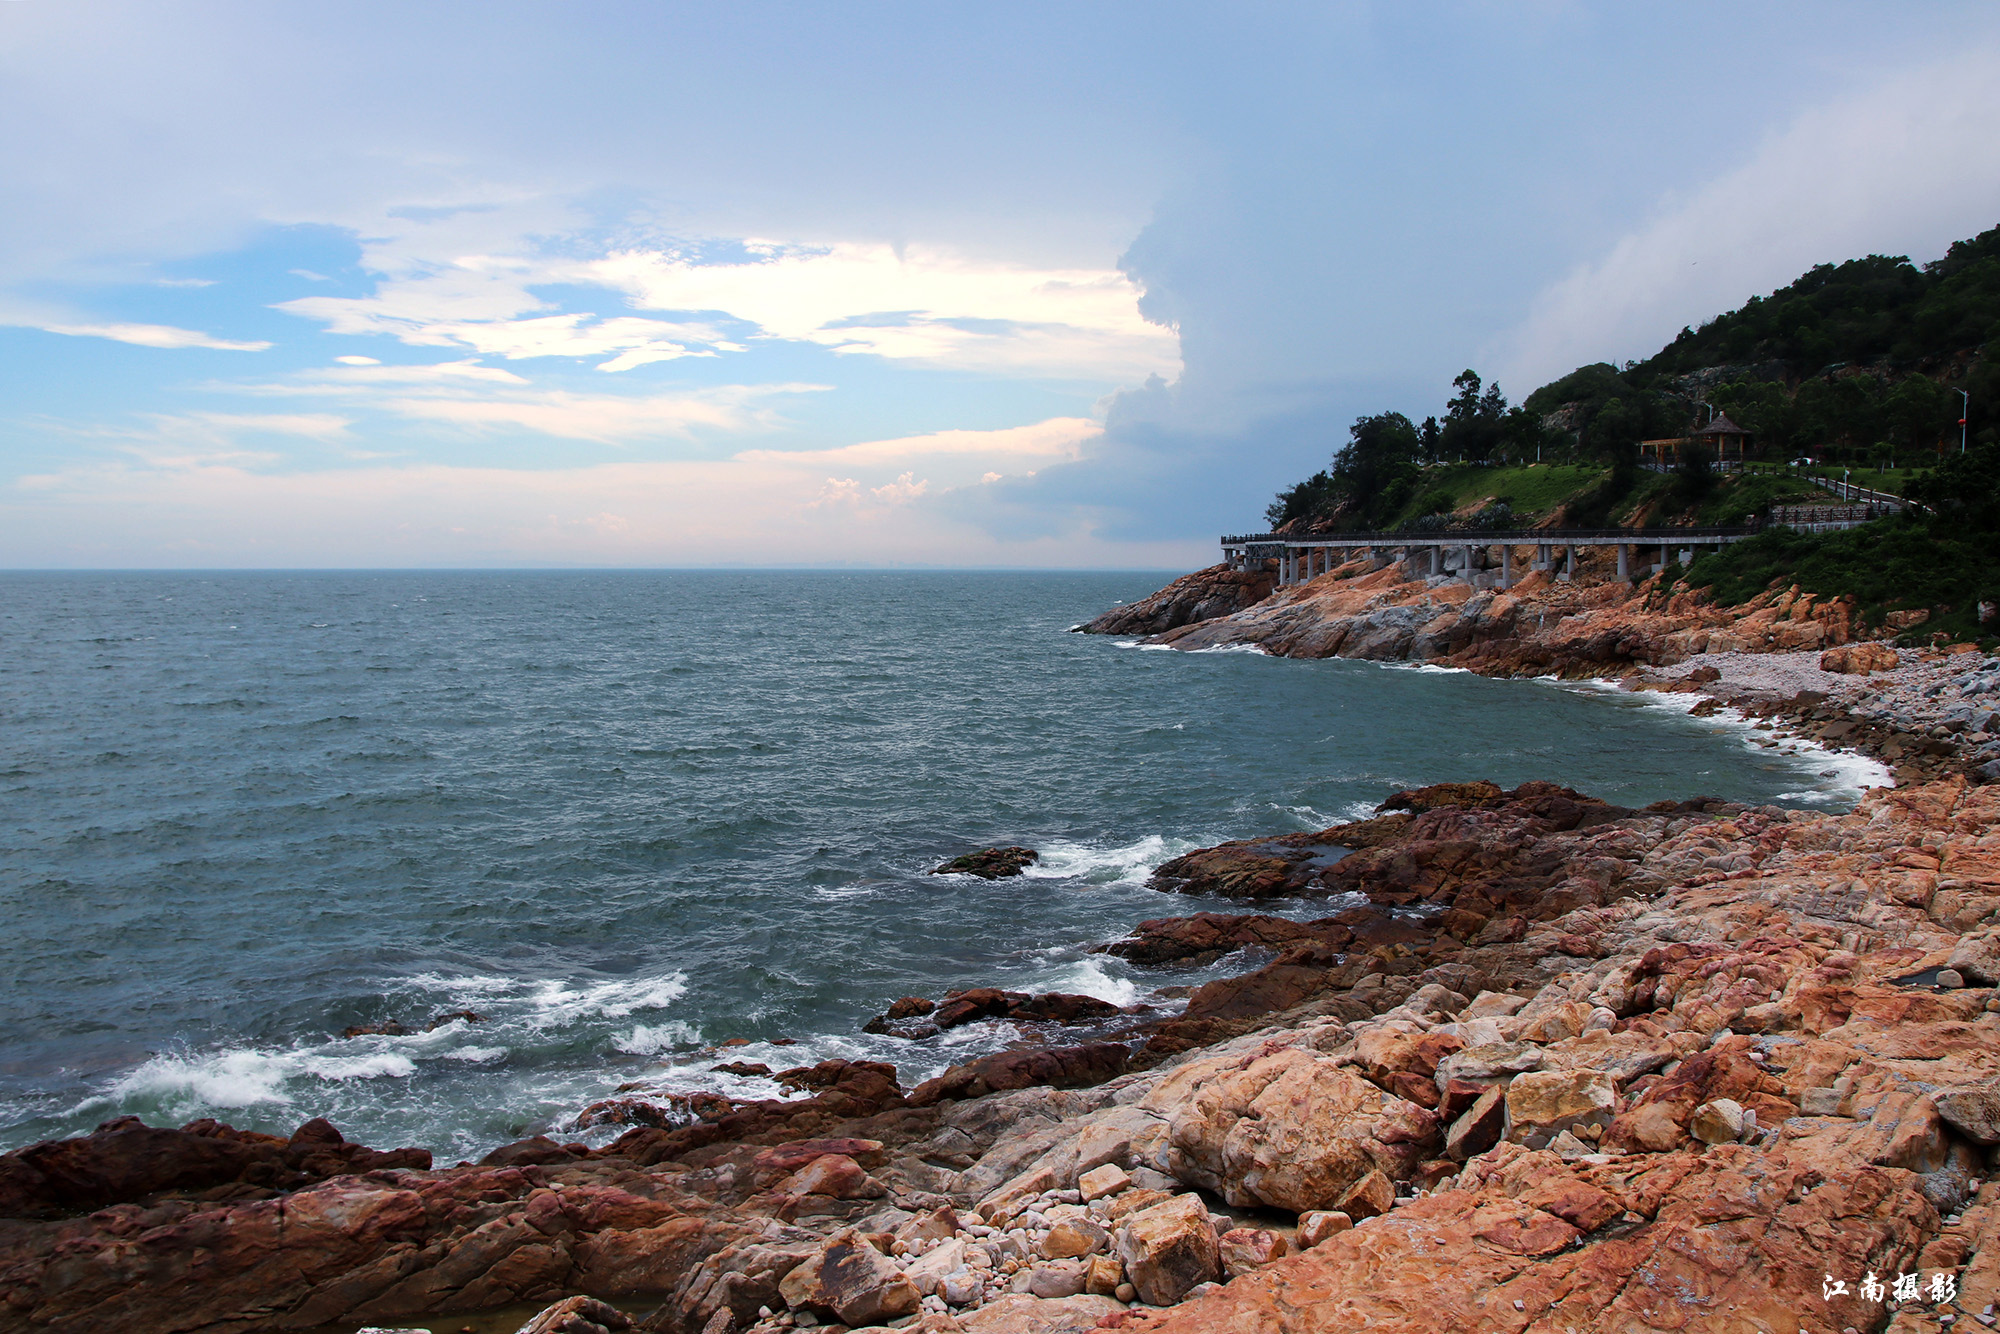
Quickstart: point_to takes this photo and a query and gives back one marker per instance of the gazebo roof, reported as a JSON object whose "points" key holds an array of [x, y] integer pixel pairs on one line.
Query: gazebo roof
{"points": [[1721, 425]]}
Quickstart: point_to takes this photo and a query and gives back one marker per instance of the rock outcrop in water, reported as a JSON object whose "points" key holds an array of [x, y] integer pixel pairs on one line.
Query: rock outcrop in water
{"points": [[1188, 600], [1703, 1067]]}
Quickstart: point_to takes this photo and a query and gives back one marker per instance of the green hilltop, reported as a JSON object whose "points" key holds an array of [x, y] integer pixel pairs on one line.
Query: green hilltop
{"points": [[1853, 372]]}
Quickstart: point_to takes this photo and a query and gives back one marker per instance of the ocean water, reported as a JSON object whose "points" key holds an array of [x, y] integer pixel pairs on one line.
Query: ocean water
{"points": [[624, 817]]}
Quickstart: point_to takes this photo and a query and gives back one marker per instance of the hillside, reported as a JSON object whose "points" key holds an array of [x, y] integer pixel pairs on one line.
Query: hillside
{"points": [[1854, 371]]}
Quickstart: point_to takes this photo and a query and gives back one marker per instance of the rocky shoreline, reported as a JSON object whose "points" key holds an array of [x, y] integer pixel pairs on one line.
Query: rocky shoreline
{"points": [[1801, 664], [1553, 1064]]}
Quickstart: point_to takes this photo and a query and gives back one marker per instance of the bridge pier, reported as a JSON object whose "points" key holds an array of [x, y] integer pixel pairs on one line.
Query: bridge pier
{"points": [[1624, 562], [1506, 566]]}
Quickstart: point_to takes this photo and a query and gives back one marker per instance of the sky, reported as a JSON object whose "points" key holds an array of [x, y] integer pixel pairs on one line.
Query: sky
{"points": [[928, 285]]}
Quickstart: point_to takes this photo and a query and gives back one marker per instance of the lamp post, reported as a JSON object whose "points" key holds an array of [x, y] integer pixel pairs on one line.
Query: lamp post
{"points": [[1964, 411]]}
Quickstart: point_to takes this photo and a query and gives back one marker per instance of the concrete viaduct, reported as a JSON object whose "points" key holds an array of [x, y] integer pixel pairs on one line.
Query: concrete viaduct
{"points": [[1301, 558]]}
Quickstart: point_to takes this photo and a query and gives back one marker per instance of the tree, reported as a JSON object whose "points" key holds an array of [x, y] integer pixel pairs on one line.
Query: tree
{"points": [[1472, 425], [1376, 469]]}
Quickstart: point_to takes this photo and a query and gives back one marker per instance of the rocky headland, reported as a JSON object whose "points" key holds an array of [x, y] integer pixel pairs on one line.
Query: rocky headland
{"points": [[1545, 1063], [1802, 665]]}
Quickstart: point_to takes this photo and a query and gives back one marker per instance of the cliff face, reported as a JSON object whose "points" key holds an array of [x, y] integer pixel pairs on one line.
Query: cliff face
{"points": [[1202, 596]]}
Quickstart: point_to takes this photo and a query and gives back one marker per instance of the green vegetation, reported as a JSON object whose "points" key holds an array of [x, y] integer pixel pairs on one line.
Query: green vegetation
{"points": [[1857, 367], [1946, 561]]}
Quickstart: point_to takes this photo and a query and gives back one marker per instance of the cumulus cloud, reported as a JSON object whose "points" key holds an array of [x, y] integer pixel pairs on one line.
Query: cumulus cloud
{"points": [[1906, 167], [915, 303], [154, 335], [924, 305]]}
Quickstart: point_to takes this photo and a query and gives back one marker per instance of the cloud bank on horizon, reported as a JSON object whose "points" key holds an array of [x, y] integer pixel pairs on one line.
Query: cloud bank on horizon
{"points": [[1053, 286]]}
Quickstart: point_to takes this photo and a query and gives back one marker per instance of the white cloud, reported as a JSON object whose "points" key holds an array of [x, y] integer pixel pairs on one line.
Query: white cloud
{"points": [[605, 418], [153, 335], [919, 304], [1905, 168], [359, 361], [1044, 442]]}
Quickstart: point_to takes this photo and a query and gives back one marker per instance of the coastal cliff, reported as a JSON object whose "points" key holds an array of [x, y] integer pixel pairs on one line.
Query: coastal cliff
{"points": [[1553, 1064]]}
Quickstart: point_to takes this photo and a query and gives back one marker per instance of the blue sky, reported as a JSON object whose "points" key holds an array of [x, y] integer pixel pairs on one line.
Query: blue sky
{"points": [[1025, 285]]}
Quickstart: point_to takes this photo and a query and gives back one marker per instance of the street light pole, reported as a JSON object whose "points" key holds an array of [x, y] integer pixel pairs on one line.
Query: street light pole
{"points": [[1964, 411]]}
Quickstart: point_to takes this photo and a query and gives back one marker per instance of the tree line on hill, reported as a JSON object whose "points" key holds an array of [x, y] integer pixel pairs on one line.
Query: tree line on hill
{"points": [[1853, 363]]}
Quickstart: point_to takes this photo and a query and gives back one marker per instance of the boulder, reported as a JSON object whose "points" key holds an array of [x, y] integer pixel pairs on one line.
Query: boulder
{"points": [[990, 863], [927, 1273], [835, 1175], [1719, 1121], [1058, 1278], [1025, 1314], [1370, 1197], [1056, 1067], [1977, 958], [1017, 1196], [937, 1225], [1543, 1104], [1169, 1248], [1489, 1062], [1105, 1274], [1859, 659], [1479, 1127], [1973, 1113], [578, 1315], [1243, 1249], [1316, 1225], [1105, 1179], [1073, 1238], [1294, 1129], [851, 1281]]}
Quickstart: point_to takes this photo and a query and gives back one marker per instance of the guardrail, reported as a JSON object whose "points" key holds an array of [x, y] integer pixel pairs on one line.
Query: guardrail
{"points": [[1492, 536]]}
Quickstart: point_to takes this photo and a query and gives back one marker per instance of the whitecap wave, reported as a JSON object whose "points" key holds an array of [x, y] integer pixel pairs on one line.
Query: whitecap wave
{"points": [[559, 1003], [1128, 864], [1087, 977], [652, 1039], [186, 1083]]}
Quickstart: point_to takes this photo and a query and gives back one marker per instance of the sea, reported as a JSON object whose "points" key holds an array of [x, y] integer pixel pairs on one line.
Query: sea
{"points": [[575, 831]]}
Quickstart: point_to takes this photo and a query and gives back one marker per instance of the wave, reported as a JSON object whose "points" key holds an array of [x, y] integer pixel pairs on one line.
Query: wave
{"points": [[1128, 864], [1849, 773], [187, 1084]]}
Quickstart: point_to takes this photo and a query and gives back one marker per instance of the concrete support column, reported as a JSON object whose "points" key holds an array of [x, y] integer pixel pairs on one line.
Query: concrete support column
{"points": [[1437, 561], [1569, 562], [1624, 561], [1506, 566], [1470, 575]]}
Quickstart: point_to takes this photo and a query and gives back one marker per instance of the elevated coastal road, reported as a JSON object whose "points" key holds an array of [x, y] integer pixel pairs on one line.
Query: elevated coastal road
{"points": [[1469, 555]]}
